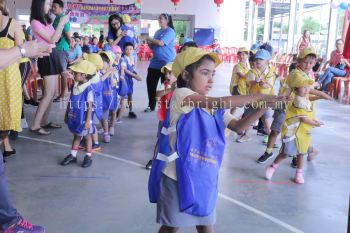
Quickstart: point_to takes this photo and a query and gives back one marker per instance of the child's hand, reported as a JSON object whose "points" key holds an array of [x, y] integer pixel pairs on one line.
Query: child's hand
{"points": [[112, 70], [138, 77], [327, 97], [318, 123], [121, 77], [87, 125]]}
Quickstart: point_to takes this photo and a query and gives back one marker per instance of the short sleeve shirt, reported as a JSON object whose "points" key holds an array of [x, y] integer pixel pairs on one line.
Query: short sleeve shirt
{"points": [[62, 44]]}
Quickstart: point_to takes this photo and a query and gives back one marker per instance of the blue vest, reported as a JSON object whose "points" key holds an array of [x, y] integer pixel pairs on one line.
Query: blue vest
{"points": [[107, 94], [114, 103], [77, 113], [200, 144], [98, 100], [128, 78]]}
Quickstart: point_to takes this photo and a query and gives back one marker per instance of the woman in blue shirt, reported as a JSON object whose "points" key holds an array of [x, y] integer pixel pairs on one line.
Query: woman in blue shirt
{"points": [[162, 45]]}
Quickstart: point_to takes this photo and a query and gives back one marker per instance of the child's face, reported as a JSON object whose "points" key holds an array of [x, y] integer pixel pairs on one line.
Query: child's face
{"points": [[169, 77], [260, 64], [95, 41], [303, 91], [106, 65], [243, 56], [118, 55], [129, 50], [86, 40], [79, 77], [203, 77], [307, 63]]}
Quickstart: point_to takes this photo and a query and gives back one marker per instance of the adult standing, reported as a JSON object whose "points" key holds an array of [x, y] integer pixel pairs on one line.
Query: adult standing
{"points": [[115, 34], [304, 41], [338, 66], [10, 219], [49, 67], [62, 46], [162, 46]]}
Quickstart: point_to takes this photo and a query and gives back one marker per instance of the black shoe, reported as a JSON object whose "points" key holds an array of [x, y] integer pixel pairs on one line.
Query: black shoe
{"points": [[9, 153], [68, 160], [148, 109], [87, 161], [266, 156], [58, 99], [13, 135], [132, 115], [294, 162], [256, 127], [261, 132], [149, 165], [31, 102]]}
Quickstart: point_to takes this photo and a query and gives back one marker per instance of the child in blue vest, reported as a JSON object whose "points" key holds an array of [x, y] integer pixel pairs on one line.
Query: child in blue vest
{"points": [[79, 112], [108, 97], [184, 176], [130, 74]]}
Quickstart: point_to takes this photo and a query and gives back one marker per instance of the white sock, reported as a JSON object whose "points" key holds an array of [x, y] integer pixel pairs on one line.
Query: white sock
{"points": [[74, 153]]}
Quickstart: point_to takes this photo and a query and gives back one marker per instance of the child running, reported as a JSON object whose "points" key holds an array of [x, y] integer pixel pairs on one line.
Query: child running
{"points": [[164, 92], [79, 112], [298, 122], [130, 74], [185, 187]]}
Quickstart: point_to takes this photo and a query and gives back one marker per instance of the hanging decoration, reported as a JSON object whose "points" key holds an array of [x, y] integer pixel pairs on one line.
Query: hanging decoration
{"points": [[343, 5], [218, 2], [259, 2], [139, 1], [175, 2]]}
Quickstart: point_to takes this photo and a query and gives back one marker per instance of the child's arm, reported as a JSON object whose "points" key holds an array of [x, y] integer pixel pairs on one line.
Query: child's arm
{"points": [[319, 95], [108, 73], [243, 124], [135, 76], [309, 121], [87, 123], [122, 72], [162, 93]]}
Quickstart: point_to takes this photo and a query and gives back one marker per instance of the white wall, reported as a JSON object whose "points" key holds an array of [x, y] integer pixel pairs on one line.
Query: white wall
{"points": [[229, 22]]}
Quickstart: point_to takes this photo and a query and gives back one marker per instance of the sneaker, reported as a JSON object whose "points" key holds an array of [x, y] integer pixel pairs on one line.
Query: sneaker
{"points": [[266, 139], [23, 226], [100, 131], [106, 138], [299, 179], [86, 162], [243, 138], [132, 115], [255, 127], [269, 172], [294, 162], [68, 160], [24, 123], [312, 155], [119, 121], [149, 165], [148, 109], [31, 102], [266, 156], [96, 147], [111, 131], [261, 132]]}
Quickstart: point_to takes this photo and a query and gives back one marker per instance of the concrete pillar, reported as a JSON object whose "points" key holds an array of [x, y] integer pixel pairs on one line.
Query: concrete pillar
{"points": [[250, 38], [267, 27], [291, 28], [332, 29]]}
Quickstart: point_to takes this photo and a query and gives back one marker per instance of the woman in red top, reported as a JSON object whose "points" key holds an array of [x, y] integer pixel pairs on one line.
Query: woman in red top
{"points": [[304, 41], [338, 66]]}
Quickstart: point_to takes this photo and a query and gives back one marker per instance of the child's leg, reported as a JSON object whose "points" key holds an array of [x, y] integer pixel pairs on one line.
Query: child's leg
{"points": [[270, 170], [272, 139], [121, 110], [75, 144], [266, 125], [113, 118], [95, 136], [165, 229], [104, 124], [299, 171], [88, 139], [72, 157], [130, 102], [205, 229], [7, 144], [300, 162]]}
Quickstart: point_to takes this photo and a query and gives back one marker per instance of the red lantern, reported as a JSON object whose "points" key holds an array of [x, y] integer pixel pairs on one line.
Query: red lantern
{"points": [[110, 1], [218, 2], [175, 2], [259, 2], [139, 1]]}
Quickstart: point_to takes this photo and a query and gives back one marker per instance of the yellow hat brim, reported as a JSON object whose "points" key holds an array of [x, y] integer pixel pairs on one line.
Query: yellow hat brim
{"points": [[167, 67], [95, 59], [111, 59]]}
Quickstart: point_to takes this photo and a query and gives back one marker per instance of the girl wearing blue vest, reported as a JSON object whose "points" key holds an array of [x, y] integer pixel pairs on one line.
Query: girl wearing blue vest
{"points": [[79, 112], [184, 176], [108, 99]]}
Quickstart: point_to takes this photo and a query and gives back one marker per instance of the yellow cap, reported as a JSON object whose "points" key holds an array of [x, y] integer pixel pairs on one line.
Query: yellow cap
{"points": [[84, 67], [298, 78], [190, 56], [126, 19], [95, 59], [243, 50], [109, 54], [307, 51], [168, 67]]}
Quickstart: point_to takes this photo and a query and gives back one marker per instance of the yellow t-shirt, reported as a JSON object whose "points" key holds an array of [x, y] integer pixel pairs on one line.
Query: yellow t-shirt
{"points": [[236, 80], [268, 75]]}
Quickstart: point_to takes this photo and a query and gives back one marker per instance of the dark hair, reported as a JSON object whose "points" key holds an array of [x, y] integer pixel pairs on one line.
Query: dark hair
{"points": [[267, 47], [251, 57], [127, 44], [59, 2], [169, 18], [105, 58], [3, 8], [89, 76], [37, 12], [191, 69], [187, 45], [336, 42], [112, 30]]}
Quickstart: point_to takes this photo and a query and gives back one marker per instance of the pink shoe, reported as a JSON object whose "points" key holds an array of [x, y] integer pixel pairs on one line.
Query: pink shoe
{"points": [[270, 170], [312, 155], [299, 179], [23, 226]]}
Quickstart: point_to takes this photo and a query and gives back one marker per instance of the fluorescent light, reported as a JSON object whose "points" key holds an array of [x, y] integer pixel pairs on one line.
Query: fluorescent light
{"points": [[23, 17], [75, 25]]}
